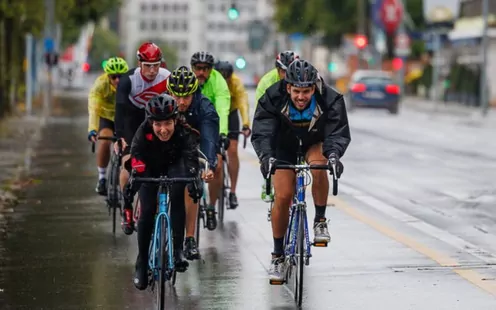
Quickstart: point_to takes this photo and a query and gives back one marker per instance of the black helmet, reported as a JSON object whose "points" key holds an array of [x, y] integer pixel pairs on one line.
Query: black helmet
{"points": [[182, 82], [301, 73], [161, 107], [202, 58], [225, 68], [285, 58]]}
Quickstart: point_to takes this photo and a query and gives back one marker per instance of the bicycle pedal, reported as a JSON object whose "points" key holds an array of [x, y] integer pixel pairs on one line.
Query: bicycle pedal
{"points": [[321, 244], [276, 282]]}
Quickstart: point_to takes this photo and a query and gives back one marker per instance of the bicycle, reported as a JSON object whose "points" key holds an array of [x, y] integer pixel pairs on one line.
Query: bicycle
{"points": [[114, 193], [161, 256], [226, 183], [202, 206], [296, 240]]}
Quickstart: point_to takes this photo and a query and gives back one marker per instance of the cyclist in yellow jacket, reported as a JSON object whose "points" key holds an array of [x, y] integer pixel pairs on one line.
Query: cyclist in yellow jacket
{"points": [[101, 109], [239, 102]]}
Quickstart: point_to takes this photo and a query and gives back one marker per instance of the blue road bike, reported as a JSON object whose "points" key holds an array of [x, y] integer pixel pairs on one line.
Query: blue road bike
{"points": [[296, 241], [161, 256]]}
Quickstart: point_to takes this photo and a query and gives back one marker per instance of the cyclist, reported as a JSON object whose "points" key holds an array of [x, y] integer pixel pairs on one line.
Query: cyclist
{"points": [[135, 89], [200, 114], [239, 102], [101, 110], [161, 137], [318, 117], [283, 60], [214, 87]]}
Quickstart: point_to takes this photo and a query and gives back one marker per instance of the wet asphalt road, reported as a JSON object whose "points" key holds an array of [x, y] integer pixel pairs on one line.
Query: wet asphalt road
{"points": [[413, 228]]}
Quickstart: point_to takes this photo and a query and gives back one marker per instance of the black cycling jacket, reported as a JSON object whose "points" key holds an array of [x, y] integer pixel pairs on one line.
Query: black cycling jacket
{"points": [[158, 156], [202, 116], [272, 128]]}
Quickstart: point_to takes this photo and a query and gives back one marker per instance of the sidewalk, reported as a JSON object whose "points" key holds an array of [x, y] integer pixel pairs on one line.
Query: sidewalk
{"points": [[18, 135], [471, 116]]}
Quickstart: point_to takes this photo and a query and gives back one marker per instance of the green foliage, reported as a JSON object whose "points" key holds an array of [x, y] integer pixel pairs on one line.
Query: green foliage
{"points": [[105, 44], [332, 18]]}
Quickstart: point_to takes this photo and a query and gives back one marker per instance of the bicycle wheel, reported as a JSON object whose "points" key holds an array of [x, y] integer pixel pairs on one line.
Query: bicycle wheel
{"points": [[113, 200], [300, 259], [163, 264]]}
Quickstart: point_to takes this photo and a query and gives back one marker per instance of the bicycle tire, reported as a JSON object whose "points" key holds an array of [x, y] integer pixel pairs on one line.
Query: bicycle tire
{"points": [[113, 189], [198, 221], [300, 250], [163, 263]]}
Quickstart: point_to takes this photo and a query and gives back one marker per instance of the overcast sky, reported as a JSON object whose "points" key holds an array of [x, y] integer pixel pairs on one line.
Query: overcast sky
{"points": [[450, 4]]}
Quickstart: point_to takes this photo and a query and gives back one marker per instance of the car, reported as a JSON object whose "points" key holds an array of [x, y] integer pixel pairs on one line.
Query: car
{"points": [[373, 89]]}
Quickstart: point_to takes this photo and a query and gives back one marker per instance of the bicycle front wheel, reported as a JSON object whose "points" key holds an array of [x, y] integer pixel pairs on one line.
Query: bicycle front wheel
{"points": [[162, 264], [300, 259]]}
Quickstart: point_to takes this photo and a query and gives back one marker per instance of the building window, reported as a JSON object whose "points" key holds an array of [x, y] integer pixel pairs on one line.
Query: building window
{"points": [[185, 26], [185, 7], [143, 7], [154, 7], [211, 8], [184, 45], [143, 25], [166, 7], [165, 25], [211, 26], [223, 8], [175, 8], [175, 26], [153, 25]]}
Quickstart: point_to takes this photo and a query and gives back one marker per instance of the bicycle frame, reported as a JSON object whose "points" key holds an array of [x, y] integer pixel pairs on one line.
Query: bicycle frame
{"points": [[298, 212], [163, 212]]}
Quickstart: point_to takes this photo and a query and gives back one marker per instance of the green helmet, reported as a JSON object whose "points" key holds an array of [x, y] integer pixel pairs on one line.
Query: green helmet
{"points": [[116, 65]]}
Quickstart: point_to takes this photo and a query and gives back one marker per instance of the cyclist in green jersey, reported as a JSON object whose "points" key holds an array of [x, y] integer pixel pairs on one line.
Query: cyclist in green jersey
{"points": [[275, 75], [214, 87]]}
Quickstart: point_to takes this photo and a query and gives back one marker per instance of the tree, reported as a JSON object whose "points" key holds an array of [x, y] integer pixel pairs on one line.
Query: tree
{"points": [[331, 18], [105, 44], [18, 17]]}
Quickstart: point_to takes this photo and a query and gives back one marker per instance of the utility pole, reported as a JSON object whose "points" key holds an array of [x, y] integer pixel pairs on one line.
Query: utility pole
{"points": [[361, 26], [484, 100], [49, 48]]}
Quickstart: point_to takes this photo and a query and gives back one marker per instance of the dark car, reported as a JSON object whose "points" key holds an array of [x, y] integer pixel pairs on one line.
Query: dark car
{"points": [[373, 89]]}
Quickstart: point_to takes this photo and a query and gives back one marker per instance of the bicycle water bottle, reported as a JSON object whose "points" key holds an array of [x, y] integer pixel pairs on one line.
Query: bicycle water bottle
{"points": [[269, 198]]}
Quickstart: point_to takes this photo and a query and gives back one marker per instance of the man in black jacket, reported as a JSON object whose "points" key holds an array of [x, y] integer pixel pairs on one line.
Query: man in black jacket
{"points": [[300, 107], [200, 114]]}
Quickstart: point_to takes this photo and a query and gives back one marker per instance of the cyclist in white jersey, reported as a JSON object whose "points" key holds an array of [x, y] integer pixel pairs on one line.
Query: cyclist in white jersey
{"points": [[135, 89]]}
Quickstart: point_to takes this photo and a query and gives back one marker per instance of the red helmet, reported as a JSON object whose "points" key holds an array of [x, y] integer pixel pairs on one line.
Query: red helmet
{"points": [[149, 52]]}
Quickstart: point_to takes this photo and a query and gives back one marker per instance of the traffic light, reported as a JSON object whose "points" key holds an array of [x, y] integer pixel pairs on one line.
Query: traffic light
{"points": [[361, 41], [233, 12], [85, 67], [332, 67], [397, 63], [240, 63]]}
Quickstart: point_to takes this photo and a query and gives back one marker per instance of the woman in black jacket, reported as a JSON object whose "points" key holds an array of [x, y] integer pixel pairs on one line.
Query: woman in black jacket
{"points": [[162, 145]]}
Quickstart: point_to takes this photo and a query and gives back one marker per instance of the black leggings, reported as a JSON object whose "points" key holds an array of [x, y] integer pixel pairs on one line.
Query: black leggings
{"points": [[148, 199]]}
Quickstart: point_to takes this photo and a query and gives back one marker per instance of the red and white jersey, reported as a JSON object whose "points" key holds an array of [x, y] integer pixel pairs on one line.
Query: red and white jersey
{"points": [[141, 90]]}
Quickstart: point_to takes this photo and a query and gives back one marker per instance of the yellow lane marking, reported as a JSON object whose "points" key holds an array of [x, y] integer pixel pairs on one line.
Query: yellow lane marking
{"points": [[443, 260]]}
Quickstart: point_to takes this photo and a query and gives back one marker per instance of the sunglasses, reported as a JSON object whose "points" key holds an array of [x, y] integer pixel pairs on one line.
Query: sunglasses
{"points": [[152, 64], [114, 76], [202, 68]]}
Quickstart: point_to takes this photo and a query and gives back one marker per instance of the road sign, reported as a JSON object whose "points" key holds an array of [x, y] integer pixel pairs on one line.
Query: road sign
{"points": [[258, 34], [49, 45], [402, 45], [391, 13]]}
